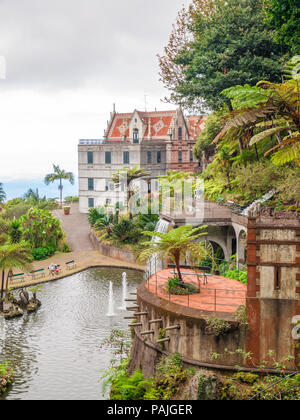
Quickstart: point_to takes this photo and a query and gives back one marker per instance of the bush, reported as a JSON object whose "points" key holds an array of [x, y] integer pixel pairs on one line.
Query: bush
{"points": [[43, 253], [96, 214], [174, 288], [41, 228], [217, 326], [170, 374], [126, 231]]}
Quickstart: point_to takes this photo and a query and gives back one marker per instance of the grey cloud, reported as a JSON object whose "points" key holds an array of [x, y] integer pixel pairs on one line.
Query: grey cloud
{"points": [[59, 44]]}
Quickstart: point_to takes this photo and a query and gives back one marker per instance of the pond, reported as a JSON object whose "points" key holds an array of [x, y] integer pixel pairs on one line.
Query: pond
{"points": [[56, 352]]}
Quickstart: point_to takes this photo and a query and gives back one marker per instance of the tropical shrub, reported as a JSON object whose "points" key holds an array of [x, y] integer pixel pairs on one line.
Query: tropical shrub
{"points": [[41, 228], [170, 375], [96, 214], [43, 252], [15, 232], [174, 287], [126, 231]]}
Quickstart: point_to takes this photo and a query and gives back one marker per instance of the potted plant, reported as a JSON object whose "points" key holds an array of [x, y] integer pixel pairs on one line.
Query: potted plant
{"points": [[67, 210]]}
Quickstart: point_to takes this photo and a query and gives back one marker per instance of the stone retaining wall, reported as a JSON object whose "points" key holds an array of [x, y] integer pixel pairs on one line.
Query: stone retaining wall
{"points": [[112, 251], [191, 341]]}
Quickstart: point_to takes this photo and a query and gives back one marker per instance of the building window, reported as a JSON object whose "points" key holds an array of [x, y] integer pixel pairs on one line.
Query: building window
{"points": [[126, 157], [108, 157], [90, 157], [158, 157], [91, 203], [179, 156], [136, 138], [179, 133], [90, 184], [106, 185], [191, 156], [149, 157]]}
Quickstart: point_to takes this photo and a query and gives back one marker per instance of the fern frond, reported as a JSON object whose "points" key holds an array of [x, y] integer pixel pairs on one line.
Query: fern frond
{"points": [[267, 133]]}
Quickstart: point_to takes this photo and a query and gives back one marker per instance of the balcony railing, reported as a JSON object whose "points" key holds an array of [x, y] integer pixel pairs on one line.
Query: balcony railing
{"points": [[91, 141]]}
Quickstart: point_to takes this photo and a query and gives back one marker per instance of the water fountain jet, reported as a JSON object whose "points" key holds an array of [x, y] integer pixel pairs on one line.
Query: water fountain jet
{"points": [[110, 300], [124, 292]]}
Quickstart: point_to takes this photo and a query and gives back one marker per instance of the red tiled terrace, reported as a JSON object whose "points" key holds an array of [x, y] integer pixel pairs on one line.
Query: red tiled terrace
{"points": [[220, 294]]}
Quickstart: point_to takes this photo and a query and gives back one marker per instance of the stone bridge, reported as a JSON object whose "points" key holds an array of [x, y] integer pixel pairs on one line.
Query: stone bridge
{"points": [[226, 228]]}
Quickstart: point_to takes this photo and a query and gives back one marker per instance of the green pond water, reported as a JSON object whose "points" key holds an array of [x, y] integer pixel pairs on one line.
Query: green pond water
{"points": [[56, 352]]}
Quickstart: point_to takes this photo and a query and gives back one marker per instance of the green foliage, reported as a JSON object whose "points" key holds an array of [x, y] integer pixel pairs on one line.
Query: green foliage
{"points": [[217, 326], [147, 221], [236, 274], [16, 211], [175, 244], [59, 175], [271, 389], [212, 127], [104, 222], [2, 193], [96, 214], [41, 228], [230, 45], [174, 287], [6, 376], [43, 253], [241, 315], [72, 199], [284, 17], [170, 375], [246, 96], [246, 378], [126, 231], [15, 232]]}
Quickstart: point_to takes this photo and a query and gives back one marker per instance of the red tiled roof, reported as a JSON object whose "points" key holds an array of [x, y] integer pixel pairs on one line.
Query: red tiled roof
{"points": [[161, 123]]}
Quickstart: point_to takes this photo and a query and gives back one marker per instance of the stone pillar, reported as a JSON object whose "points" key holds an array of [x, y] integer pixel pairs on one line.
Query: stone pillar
{"points": [[273, 293]]}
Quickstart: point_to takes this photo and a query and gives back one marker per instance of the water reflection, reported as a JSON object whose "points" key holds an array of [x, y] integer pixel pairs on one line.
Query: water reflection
{"points": [[55, 352]]}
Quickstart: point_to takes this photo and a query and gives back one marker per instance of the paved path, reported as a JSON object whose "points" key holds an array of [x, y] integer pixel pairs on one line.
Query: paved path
{"points": [[76, 227], [83, 259], [220, 294]]}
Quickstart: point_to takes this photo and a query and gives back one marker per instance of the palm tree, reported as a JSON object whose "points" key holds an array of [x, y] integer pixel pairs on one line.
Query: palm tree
{"points": [[175, 244], [59, 174], [131, 175], [13, 256], [2, 193]]}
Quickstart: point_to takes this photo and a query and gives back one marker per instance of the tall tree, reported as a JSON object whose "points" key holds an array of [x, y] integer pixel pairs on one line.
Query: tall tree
{"points": [[230, 45], [13, 256], [58, 175], [284, 17]]}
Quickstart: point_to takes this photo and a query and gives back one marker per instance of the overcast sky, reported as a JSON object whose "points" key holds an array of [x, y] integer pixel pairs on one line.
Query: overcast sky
{"points": [[67, 62]]}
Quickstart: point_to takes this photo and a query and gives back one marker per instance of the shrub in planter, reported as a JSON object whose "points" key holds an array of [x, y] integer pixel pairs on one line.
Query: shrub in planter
{"points": [[67, 210], [174, 287]]}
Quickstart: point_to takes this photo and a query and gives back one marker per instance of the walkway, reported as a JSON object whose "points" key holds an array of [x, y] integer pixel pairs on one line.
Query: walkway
{"points": [[219, 295], [76, 227], [77, 230]]}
